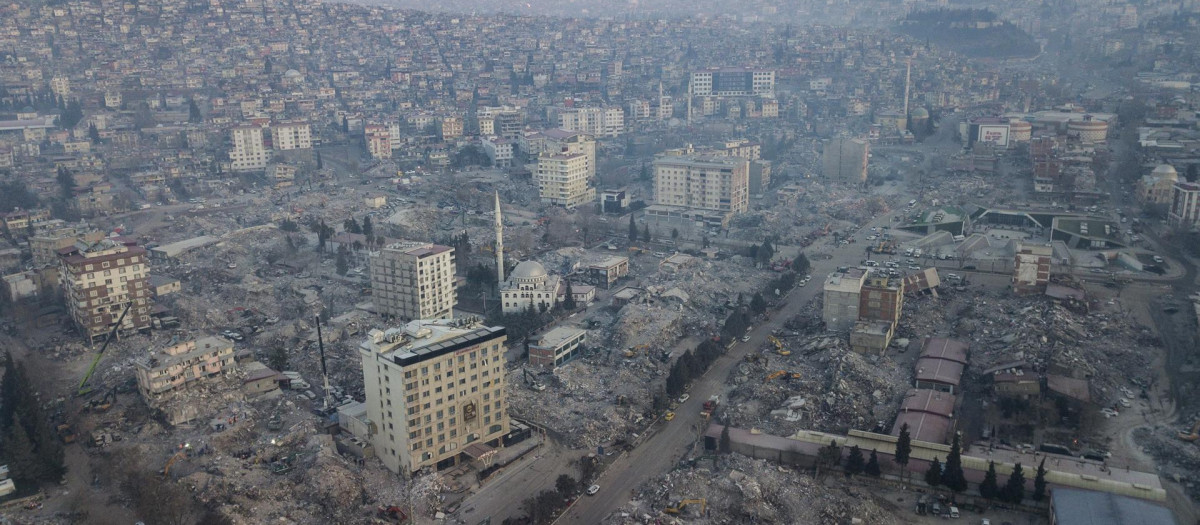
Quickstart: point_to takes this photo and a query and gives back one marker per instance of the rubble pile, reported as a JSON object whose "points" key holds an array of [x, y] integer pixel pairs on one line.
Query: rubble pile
{"points": [[741, 489], [1177, 460], [824, 387]]}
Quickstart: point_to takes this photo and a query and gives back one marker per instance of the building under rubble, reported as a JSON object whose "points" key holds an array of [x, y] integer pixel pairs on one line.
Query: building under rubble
{"points": [[435, 393]]}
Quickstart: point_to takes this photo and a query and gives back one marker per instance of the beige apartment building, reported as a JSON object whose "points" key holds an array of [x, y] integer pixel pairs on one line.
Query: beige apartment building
{"points": [[435, 393], [379, 141], [563, 179], [414, 280], [248, 152], [178, 366], [99, 280], [702, 182], [290, 135]]}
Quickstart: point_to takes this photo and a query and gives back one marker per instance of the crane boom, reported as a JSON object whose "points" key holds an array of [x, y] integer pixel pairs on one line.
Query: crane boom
{"points": [[83, 389]]}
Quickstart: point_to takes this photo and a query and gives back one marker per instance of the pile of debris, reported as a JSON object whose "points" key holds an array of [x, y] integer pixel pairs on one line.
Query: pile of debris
{"points": [[821, 385], [1178, 459], [738, 489]]}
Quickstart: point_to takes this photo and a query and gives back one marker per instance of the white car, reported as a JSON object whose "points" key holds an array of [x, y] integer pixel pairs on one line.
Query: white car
{"points": [[592, 490], [1126, 403], [684, 398]]}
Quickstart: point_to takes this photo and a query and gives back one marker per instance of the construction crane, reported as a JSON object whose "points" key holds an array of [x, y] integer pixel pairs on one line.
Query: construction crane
{"points": [[678, 508], [1194, 435], [83, 388]]}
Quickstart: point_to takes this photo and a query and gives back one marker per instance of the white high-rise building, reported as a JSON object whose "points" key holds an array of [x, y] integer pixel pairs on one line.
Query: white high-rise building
{"points": [[563, 179], [703, 182], [414, 280], [732, 82], [291, 135], [248, 152], [604, 122], [435, 393]]}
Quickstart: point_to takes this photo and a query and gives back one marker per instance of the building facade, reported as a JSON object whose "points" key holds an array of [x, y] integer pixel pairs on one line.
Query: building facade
{"points": [[379, 141], [529, 286], [178, 366], [287, 136], [712, 183], [563, 179], [556, 347], [414, 280], [881, 299], [601, 122], [435, 393], [99, 280], [842, 299], [845, 159], [248, 152], [732, 82], [1031, 268], [1185, 206]]}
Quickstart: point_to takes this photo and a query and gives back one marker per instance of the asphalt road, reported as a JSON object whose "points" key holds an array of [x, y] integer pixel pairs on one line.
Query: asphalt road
{"points": [[660, 452]]}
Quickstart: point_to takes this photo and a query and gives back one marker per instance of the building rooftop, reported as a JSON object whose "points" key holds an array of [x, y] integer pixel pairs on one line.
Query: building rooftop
{"points": [[939, 371], [928, 401], [923, 426], [848, 281], [558, 335], [943, 348], [421, 340], [1088, 507]]}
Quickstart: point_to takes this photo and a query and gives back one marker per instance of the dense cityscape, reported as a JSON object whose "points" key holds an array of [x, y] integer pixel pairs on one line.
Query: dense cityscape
{"points": [[628, 262]]}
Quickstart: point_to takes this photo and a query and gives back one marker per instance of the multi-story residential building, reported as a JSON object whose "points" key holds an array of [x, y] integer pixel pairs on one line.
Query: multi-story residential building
{"points": [[842, 298], [379, 141], [561, 141], [1031, 268], [703, 182], [248, 152], [18, 222], [602, 122], [414, 280], [45, 245], [60, 86], [563, 179], [845, 160], [179, 365], [100, 279], [732, 82], [499, 150], [452, 127], [282, 175], [1185, 206], [881, 299], [435, 393], [291, 135]]}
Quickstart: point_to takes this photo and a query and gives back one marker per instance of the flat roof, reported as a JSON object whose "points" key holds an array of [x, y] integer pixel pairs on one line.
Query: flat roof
{"points": [[421, 340], [848, 281], [928, 401], [939, 371], [609, 262], [1089, 507], [1070, 387], [923, 426], [178, 248], [944, 348], [558, 336]]}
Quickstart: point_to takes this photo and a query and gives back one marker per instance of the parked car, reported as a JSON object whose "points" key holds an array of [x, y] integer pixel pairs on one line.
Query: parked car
{"points": [[592, 490], [684, 398]]}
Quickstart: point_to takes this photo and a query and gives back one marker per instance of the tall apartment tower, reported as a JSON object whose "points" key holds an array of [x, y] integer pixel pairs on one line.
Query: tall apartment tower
{"points": [[703, 182], [414, 280], [845, 160], [99, 280], [291, 135], [435, 392], [563, 179], [248, 152]]}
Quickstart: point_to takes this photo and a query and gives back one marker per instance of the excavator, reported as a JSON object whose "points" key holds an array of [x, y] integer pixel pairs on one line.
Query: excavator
{"points": [[633, 350], [782, 373], [678, 508], [166, 472], [778, 346], [83, 388], [1194, 435]]}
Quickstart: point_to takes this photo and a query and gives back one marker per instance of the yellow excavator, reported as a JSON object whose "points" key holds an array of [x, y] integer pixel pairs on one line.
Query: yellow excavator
{"points": [[778, 345], [1194, 435], [633, 350], [782, 373], [166, 472], [678, 508]]}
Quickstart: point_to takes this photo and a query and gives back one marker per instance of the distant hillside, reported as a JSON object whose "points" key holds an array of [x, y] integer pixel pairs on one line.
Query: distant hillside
{"points": [[972, 32]]}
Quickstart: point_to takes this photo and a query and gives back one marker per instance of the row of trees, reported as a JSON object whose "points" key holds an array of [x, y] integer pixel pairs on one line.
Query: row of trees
{"points": [[691, 365], [545, 506], [30, 446]]}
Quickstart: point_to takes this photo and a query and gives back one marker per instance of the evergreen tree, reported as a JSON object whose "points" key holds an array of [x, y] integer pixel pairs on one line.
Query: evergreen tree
{"points": [[1014, 489], [1039, 482], [674, 234], [66, 184], [933, 476], [903, 448], [320, 164], [569, 300], [93, 134], [194, 112], [758, 305], [18, 453], [872, 469], [368, 229], [633, 231], [342, 264], [645, 233], [954, 478], [801, 265], [989, 488], [854, 462], [351, 226], [726, 445]]}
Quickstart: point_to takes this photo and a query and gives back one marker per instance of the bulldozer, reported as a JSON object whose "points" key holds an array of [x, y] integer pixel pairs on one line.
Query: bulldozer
{"points": [[678, 508], [1193, 435]]}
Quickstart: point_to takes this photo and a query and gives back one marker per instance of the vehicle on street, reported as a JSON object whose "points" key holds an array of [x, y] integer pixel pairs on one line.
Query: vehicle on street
{"points": [[745, 338], [684, 398], [592, 490], [669, 416]]}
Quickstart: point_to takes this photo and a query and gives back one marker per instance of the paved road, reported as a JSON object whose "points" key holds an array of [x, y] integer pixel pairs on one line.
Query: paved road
{"points": [[662, 451]]}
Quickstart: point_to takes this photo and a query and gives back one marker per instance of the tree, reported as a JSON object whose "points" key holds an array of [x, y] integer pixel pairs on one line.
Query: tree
{"points": [[320, 163], [674, 234], [829, 456], [801, 265], [706, 242], [351, 226], [566, 485], [645, 233], [368, 229], [72, 113], [289, 226], [872, 469], [933, 476], [1039, 482], [587, 469], [569, 299], [1014, 489], [854, 462], [20, 455], [633, 231], [342, 264], [93, 134], [903, 448], [765, 253], [954, 478], [66, 184], [989, 488], [758, 305], [726, 445]]}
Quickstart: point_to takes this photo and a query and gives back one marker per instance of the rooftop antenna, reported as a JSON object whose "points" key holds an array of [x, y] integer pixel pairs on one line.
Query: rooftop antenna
{"points": [[324, 371]]}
